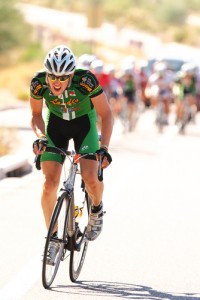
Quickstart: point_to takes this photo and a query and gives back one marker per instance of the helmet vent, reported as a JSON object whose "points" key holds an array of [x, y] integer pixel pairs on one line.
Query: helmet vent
{"points": [[64, 55], [48, 65], [69, 67], [62, 66], [56, 54], [73, 68], [55, 65]]}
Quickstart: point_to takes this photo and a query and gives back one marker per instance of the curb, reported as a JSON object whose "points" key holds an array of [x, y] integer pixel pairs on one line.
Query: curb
{"points": [[14, 165]]}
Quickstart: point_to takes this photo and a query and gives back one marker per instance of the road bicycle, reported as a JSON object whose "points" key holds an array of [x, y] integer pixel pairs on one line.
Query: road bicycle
{"points": [[161, 117], [188, 114], [69, 220], [129, 118]]}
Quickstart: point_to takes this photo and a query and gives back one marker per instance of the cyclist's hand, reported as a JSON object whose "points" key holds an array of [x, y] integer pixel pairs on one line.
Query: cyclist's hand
{"points": [[104, 156], [39, 145]]}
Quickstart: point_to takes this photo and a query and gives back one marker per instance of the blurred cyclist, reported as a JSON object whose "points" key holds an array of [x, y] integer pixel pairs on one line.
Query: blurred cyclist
{"points": [[159, 87], [97, 68], [186, 84], [129, 93], [141, 77], [85, 60], [115, 90]]}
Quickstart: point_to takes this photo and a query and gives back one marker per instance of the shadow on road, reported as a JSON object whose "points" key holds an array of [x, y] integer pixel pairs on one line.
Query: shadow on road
{"points": [[121, 290]]}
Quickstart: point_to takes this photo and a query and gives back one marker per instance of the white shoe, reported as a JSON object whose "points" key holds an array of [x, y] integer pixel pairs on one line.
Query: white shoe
{"points": [[95, 225], [52, 252]]}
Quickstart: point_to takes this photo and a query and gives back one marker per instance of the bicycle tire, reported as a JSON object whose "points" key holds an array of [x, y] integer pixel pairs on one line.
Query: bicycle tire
{"points": [[59, 215], [185, 121], [77, 258], [160, 117]]}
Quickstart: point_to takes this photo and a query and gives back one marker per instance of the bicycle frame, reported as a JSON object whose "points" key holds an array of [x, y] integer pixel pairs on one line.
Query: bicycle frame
{"points": [[70, 229]]}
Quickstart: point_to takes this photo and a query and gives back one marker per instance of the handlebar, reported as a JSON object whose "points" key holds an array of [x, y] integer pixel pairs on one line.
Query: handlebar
{"points": [[68, 153]]}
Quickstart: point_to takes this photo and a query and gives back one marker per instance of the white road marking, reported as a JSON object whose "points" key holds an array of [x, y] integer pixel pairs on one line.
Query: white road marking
{"points": [[16, 288]]}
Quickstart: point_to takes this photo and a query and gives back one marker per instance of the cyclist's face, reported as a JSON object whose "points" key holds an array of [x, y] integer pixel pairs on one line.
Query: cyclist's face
{"points": [[58, 84]]}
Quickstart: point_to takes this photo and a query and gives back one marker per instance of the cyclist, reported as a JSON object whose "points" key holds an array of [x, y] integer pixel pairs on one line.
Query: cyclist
{"points": [[159, 86], [115, 95], [85, 60], [97, 68], [142, 76], [186, 84], [73, 97], [129, 93]]}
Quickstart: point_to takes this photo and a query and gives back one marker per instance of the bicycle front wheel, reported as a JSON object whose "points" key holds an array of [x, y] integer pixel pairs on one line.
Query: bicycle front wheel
{"points": [[58, 225], [77, 257]]}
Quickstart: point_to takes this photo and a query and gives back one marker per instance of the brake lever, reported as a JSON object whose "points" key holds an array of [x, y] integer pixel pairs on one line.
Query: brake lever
{"points": [[100, 170], [37, 158]]}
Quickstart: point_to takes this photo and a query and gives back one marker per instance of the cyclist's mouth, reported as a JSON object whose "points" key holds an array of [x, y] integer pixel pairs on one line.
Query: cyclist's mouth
{"points": [[57, 88]]}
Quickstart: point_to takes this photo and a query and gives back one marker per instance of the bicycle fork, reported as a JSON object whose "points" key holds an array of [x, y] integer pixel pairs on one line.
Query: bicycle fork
{"points": [[69, 188]]}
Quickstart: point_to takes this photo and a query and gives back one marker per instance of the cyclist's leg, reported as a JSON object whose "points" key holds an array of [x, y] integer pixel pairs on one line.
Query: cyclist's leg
{"points": [[179, 110], [52, 164], [95, 190], [87, 141], [51, 171], [193, 106], [94, 187]]}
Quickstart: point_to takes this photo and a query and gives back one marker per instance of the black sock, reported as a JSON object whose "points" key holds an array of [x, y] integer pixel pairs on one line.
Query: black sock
{"points": [[96, 209]]}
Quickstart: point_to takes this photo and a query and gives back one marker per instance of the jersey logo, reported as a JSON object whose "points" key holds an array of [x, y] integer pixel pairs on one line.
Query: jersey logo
{"points": [[36, 87], [72, 101], [84, 147], [56, 102], [88, 83], [72, 93]]}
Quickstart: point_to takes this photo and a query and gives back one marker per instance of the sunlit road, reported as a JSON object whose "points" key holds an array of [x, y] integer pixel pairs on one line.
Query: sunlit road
{"points": [[150, 245]]}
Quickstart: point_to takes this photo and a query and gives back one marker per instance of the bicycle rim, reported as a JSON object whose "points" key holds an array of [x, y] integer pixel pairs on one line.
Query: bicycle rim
{"points": [[57, 221], [76, 261], [77, 257]]}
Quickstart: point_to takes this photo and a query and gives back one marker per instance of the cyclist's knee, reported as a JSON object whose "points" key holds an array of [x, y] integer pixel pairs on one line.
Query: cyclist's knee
{"points": [[49, 185], [90, 179]]}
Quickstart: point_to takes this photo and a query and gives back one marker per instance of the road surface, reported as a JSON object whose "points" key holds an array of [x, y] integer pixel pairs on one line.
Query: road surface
{"points": [[149, 248]]}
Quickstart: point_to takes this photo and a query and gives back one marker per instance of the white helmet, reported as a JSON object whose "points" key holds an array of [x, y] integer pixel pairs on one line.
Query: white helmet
{"points": [[60, 61], [110, 69], [85, 60], [97, 65], [189, 68]]}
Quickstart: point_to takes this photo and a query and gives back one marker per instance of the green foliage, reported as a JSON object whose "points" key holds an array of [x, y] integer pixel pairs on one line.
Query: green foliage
{"points": [[170, 12], [81, 47], [13, 31], [186, 34], [32, 51]]}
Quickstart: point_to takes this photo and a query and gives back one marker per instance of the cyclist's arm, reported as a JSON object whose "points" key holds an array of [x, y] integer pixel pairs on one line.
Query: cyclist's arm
{"points": [[37, 122], [103, 110]]}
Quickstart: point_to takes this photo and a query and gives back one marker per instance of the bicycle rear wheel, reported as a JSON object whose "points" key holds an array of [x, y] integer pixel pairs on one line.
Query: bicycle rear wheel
{"points": [[58, 223], [77, 257]]}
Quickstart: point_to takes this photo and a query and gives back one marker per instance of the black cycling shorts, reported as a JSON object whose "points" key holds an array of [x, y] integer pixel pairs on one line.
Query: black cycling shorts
{"points": [[82, 131]]}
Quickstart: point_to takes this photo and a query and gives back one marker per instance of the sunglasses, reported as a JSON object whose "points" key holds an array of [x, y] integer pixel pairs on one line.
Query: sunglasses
{"points": [[62, 78]]}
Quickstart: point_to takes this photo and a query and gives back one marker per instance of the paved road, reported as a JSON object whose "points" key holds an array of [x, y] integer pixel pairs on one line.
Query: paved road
{"points": [[150, 245]]}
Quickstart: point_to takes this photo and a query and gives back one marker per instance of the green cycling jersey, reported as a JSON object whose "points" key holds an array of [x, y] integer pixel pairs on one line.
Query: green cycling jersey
{"points": [[75, 101]]}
